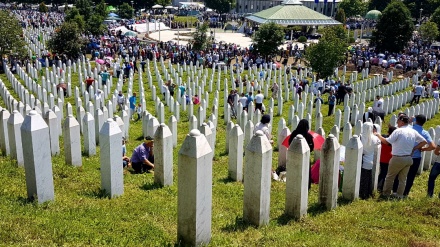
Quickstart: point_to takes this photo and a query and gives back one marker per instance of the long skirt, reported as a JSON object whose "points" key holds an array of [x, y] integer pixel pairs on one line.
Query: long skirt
{"points": [[366, 185]]}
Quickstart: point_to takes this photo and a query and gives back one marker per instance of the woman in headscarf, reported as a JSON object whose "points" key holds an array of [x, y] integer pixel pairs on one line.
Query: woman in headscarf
{"points": [[301, 129], [369, 142]]}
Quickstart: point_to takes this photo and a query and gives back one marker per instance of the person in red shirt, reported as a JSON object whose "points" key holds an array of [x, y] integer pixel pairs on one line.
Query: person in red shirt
{"points": [[89, 82], [385, 156], [434, 86]]}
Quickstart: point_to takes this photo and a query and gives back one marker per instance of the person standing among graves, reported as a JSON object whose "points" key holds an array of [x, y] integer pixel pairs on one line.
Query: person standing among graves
{"points": [[243, 101], [121, 101], [435, 171], [104, 77], [259, 101], [341, 93], [369, 143], [385, 156], [417, 155], [142, 159], [331, 103], [132, 101], [403, 140], [89, 82], [274, 90], [418, 91], [264, 125]]}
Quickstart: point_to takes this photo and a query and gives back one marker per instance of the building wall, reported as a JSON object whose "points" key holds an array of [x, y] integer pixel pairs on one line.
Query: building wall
{"points": [[253, 6]]}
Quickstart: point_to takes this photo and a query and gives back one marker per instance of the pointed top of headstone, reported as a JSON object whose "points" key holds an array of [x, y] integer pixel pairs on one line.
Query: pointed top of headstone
{"points": [[33, 121]]}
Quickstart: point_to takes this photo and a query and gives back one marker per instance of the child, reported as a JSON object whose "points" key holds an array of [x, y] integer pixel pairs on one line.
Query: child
{"points": [[125, 159], [139, 112]]}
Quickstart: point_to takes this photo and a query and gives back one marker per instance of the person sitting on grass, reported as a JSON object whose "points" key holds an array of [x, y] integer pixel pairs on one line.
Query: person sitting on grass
{"points": [[142, 159]]}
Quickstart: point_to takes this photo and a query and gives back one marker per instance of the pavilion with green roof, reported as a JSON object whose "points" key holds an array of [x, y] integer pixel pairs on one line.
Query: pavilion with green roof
{"points": [[292, 13]]}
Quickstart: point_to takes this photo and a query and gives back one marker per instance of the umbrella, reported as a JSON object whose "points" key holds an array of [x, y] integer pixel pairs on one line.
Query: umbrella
{"points": [[381, 55], [100, 61], [392, 60], [169, 7], [130, 34], [109, 58], [318, 140], [157, 6], [113, 15]]}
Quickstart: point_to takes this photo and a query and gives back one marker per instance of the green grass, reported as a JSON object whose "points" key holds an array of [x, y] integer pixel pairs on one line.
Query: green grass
{"points": [[146, 215]]}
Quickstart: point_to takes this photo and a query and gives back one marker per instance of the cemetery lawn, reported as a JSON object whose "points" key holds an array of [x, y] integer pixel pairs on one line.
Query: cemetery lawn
{"points": [[146, 215]]}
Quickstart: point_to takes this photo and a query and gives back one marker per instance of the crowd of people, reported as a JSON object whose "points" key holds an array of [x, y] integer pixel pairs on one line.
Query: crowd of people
{"points": [[401, 148]]}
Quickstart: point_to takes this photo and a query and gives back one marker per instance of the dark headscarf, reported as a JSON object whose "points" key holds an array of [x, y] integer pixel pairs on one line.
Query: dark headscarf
{"points": [[303, 129]]}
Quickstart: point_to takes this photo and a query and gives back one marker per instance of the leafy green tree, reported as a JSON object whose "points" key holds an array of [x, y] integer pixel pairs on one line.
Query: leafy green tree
{"points": [[378, 4], [11, 35], [327, 54], [340, 16], [95, 25], [43, 8], [66, 40], [125, 11], [101, 9], [428, 7], [222, 6], [85, 8], [429, 31], [435, 17], [74, 16], [268, 38], [353, 7], [394, 28], [200, 37]]}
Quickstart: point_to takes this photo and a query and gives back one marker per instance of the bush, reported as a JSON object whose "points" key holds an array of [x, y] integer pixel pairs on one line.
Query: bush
{"points": [[351, 40], [302, 39]]}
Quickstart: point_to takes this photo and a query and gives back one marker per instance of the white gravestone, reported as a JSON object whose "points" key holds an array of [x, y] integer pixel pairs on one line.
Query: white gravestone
{"points": [[112, 177], [235, 161], [329, 173], [72, 141], [257, 180], [14, 134], [37, 159], [352, 171], [194, 199], [163, 153], [297, 178]]}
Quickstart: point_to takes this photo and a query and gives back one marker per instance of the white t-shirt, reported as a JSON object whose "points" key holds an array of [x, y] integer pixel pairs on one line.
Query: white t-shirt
{"points": [[368, 153], [403, 140], [259, 98], [378, 104], [436, 94], [264, 128], [243, 100], [418, 90]]}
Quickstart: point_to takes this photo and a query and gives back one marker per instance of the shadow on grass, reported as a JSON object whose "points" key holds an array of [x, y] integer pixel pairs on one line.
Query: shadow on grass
{"points": [[238, 226], [150, 186], [316, 209], [96, 193], [226, 180]]}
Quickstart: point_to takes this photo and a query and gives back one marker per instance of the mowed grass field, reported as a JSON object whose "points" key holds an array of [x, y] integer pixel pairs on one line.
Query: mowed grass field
{"points": [[146, 215]]}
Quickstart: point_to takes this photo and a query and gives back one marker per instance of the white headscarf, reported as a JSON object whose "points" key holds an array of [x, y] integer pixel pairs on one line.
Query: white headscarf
{"points": [[367, 133]]}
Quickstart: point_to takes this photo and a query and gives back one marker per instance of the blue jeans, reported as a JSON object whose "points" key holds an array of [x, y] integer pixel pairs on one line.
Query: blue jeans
{"points": [[435, 171]]}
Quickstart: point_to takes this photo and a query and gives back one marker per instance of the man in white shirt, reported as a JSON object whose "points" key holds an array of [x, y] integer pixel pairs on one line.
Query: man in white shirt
{"points": [[405, 140], [243, 101], [259, 101], [378, 103]]}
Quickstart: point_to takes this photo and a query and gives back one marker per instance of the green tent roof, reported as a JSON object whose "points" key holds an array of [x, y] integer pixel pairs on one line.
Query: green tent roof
{"points": [[292, 12], [373, 14]]}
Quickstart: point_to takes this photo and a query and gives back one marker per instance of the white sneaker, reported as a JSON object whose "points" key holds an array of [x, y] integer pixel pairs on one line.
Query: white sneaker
{"points": [[275, 176]]}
